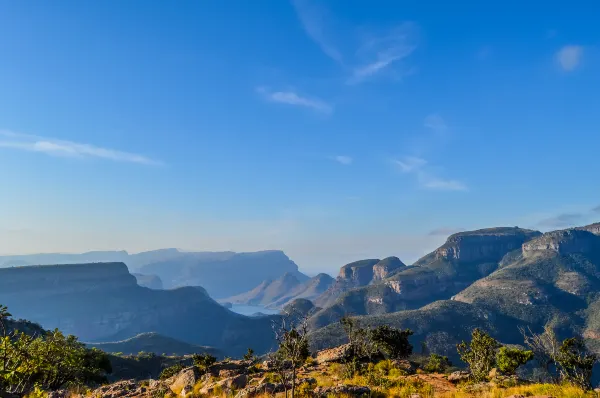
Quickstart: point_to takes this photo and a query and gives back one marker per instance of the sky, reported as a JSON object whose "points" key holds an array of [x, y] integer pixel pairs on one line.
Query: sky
{"points": [[333, 130]]}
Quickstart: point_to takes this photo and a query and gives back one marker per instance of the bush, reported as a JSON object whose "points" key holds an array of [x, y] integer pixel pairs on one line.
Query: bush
{"points": [[171, 371], [479, 354], [437, 364], [576, 363], [203, 361], [509, 359], [393, 342]]}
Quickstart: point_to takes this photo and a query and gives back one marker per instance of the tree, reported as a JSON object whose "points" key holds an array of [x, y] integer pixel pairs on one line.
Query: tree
{"points": [[249, 355], [394, 342], [576, 363], [479, 354], [509, 359], [437, 364], [203, 361], [291, 334], [545, 347]]}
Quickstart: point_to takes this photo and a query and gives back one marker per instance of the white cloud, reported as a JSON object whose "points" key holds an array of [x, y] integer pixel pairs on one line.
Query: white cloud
{"points": [[292, 98], [313, 19], [409, 164], [569, 57], [51, 146], [429, 181], [345, 160], [372, 54], [418, 166], [436, 123]]}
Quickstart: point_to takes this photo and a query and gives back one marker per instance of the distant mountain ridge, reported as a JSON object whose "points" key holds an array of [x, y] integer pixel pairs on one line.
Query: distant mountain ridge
{"points": [[223, 274], [103, 302], [279, 292]]}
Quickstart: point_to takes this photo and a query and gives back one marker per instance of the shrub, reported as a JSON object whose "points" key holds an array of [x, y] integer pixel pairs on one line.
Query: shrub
{"points": [[437, 364], [576, 363], [249, 355], [203, 361], [394, 342], [479, 354], [509, 359], [170, 371]]}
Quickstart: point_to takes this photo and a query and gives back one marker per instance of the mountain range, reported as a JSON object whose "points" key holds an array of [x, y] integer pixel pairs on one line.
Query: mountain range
{"points": [[498, 279]]}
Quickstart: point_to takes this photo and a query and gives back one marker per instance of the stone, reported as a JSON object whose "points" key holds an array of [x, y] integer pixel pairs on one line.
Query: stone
{"points": [[188, 377], [405, 365], [124, 388], [459, 376], [343, 389], [58, 394], [337, 354], [266, 388]]}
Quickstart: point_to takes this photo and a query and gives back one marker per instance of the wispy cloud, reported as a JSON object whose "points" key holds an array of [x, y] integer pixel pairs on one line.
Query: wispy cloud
{"points": [[561, 220], [55, 147], [596, 209], [569, 57], [372, 54], [313, 19], [345, 160], [445, 231], [426, 178], [436, 123], [409, 164], [292, 98]]}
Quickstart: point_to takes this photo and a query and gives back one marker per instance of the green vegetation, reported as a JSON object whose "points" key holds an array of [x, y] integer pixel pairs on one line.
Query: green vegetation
{"points": [[47, 362], [509, 359], [392, 341], [437, 364], [479, 354], [171, 371]]}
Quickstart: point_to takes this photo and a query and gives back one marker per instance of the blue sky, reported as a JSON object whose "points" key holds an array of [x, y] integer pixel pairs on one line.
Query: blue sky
{"points": [[332, 130]]}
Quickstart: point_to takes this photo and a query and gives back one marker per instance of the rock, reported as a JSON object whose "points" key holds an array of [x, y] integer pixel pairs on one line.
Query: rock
{"points": [[58, 394], [459, 376], [534, 396], [266, 388], [124, 388], [237, 382], [494, 373], [337, 354], [188, 377], [566, 241], [415, 396], [405, 365], [343, 389], [186, 390], [386, 267]]}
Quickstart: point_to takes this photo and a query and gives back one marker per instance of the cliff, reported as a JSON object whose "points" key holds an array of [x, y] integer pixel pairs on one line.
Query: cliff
{"points": [[484, 245], [563, 242]]}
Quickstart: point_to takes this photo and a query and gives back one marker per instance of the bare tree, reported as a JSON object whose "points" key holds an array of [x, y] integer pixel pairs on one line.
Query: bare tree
{"points": [[291, 334], [546, 350]]}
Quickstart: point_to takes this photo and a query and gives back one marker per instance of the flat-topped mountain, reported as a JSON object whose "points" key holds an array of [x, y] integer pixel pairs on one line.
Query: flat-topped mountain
{"points": [[551, 278], [103, 302], [175, 268], [464, 258]]}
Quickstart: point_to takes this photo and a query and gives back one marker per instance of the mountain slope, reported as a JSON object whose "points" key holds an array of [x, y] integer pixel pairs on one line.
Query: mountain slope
{"points": [[267, 291], [309, 290], [102, 302], [155, 343], [464, 258]]}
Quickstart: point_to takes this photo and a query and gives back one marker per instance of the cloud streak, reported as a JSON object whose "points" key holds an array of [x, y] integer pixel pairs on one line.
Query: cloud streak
{"points": [[345, 160], [371, 55], [569, 57], [436, 123], [55, 147], [292, 98], [444, 231], [596, 209], [425, 178]]}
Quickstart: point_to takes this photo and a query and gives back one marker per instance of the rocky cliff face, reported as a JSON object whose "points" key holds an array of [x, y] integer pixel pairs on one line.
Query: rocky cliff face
{"points": [[386, 267], [487, 245], [358, 273], [593, 228], [563, 242]]}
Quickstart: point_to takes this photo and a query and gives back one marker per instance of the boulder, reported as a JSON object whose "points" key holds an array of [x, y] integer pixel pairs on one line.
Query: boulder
{"points": [[58, 394], [337, 354], [405, 365], [459, 376], [343, 389], [124, 388], [188, 377], [266, 388]]}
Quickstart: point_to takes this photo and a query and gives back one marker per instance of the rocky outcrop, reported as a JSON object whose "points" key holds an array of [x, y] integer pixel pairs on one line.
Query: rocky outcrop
{"points": [[386, 267], [346, 390], [593, 228], [568, 241], [484, 245], [359, 273], [336, 354]]}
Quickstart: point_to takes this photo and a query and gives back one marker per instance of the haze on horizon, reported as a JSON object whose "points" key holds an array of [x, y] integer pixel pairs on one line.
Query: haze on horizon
{"points": [[333, 131]]}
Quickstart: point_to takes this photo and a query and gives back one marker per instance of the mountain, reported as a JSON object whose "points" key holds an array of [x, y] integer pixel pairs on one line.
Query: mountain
{"points": [[149, 281], [357, 274], [155, 343], [224, 275], [103, 302], [277, 293], [464, 258], [552, 278], [176, 268], [267, 291]]}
